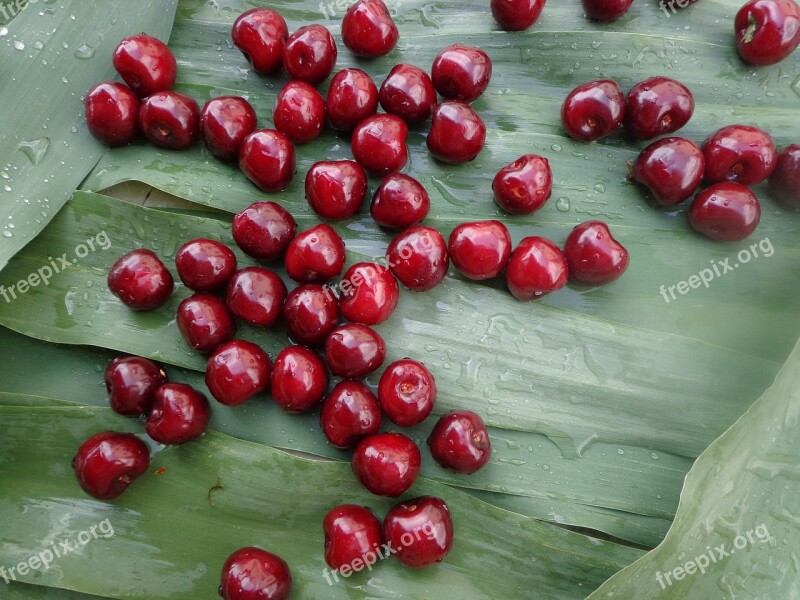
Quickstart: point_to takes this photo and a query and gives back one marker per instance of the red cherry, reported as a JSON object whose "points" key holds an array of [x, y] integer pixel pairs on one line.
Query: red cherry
{"points": [[132, 382], [170, 120], [112, 113], [237, 371], [267, 158], [536, 268], [517, 15], [785, 179], [368, 29], [299, 379], [299, 112], [408, 92], [523, 186], [369, 294], [354, 351], [263, 230], [671, 168], [739, 153], [399, 202], [260, 33], [205, 265], [180, 414], [336, 189], [480, 250], [310, 54], [146, 64], [351, 533], [387, 464], [379, 144], [460, 442], [108, 462], [311, 312], [726, 212], [593, 255], [349, 413], [316, 255], [606, 10], [418, 258], [657, 106], [767, 31], [352, 97], [457, 134], [593, 110], [407, 392], [461, 72], [256, 295], [255, 574], [140, 280], [225, 122], [205, 322]]}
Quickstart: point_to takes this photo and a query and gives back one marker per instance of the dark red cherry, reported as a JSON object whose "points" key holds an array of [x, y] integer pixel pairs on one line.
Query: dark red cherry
{"points": [[170, 120], [460, 442], [399, 202], [379, 144], [785, 179], [256, 295], [255, 574], [224, 123], [205, 265], [421, 529], [593, 110], [108, 462], [349, 413], [461, 72], [480, 250], [267, 158], [260, 33], [299, 112], [368, 29], [299, 379], [457, 133], [536, 268], [657, 106], [739, 153], [311, 312], [205, 322], [146, 64], [353, 351], [316, 255], [336, 189], [407, 392], [387, 464], [408, 92], [352, 97], [671, 168], [352, 533], [593, 255], [726, 212], [112, 113], [767, 31], [237, 371], [418, 258], [263, 230], [310, 54], [180, 414], [523, 186], [369, 294], [606, 10], [132, 382], [140, 280], [516, 15]]}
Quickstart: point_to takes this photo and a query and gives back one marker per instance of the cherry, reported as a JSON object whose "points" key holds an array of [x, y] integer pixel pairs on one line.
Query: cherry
{"points": [[310, 54], [224, 123], [316, 255], [671, 168], [408, 92], [205, 265], [369, 294], [399, 202], [767, 31], [267, 158], [368, 29], [146, 64], [657, 106], [460, 441], [480, 250], [379, 144], [536, 268], [112, 113], [739, 153], [255, 574], [351, 533], [108, 462], [140, 280], [593, 255], [180, 414], [418, 258], [170, 120], [256, 295], [354, 351], [726, 212], [237, 371], [205, 322], [593, 110], [311, 312], [387, 464], [260, 33], [407, 392], [299, 379], [457, 133], [132, 382], [336, 189], [785, 179], [523, 186], [461, 72], [263, 230], [299, 112], [606, 10], [349, 413], [421, 530], [352, 97], [517, 15]]}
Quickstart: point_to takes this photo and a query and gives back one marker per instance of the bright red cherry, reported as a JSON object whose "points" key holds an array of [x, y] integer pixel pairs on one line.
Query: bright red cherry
{"points": [[224, 123], [523, 186], [517, 15], [180, 414], [657, 106], [460, 442], [418, 258], [726, 212], [255, 574], [316, 255], [299, 112], [536, 268], [352, 533], [205, 265], [407, 392], [260, 33], [461, 72], [336, 189], [311, 312], [457, 133], [267, 158], [170, 120], [739, 153], [108, 462], [263, 230], [256, 295], [349, 413], [369, 294], [368, 29], [606, 10], [352, 97], [132, 382], [785, 179], [421, 529], [671, 168], [237, 371], [146, 64], [593, 110], [299, 379], [387, 464], [480, 250], [408, 92], [140, 280], [205, 322], [593, 255], [379, 144], [399, 202], [310, 54], [767, 31], [112, 113], [354, 351]]}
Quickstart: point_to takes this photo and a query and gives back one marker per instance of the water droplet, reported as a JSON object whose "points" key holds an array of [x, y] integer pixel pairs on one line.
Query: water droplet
{"points": [[7, 233], [35, 149], [7, 188], [555, 148], [84, 51], [654, 456], [38, 45], [19, 45], [620, 451], [562, 204], [3, 31]]}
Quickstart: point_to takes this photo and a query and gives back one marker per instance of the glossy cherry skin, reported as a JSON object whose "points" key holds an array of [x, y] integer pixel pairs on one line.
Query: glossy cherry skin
{"points": [[480, 250], [785, 179], [224, 123], [353, 351], [205, 322], [523, 186], [369, 294], [108, 462], [739, 153], [457, 133], [170, 120], [351, 532], [299, 112], [146, 64], [657, 106], [726, 212], [399, 202], [461, 72], [316, 255], [260, 33], [387, 464], [140, 280], [379, 144], [311, 312], [671, 168], [132, 382], [606, 10], [310, 54], [426, 523], [593, 110], [418, 258], [237, 371], [368, 29], [408, 92], [407, 392], [352, 97], [516, 15], [349, 413], [299, 379], [767, 31], [255, 574], [336, 189], [460, 442], [268, 159], [112, 113], [536, 268], [263, 230], [180, 414], [256, 295], [593, 255], [205, 265]]}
